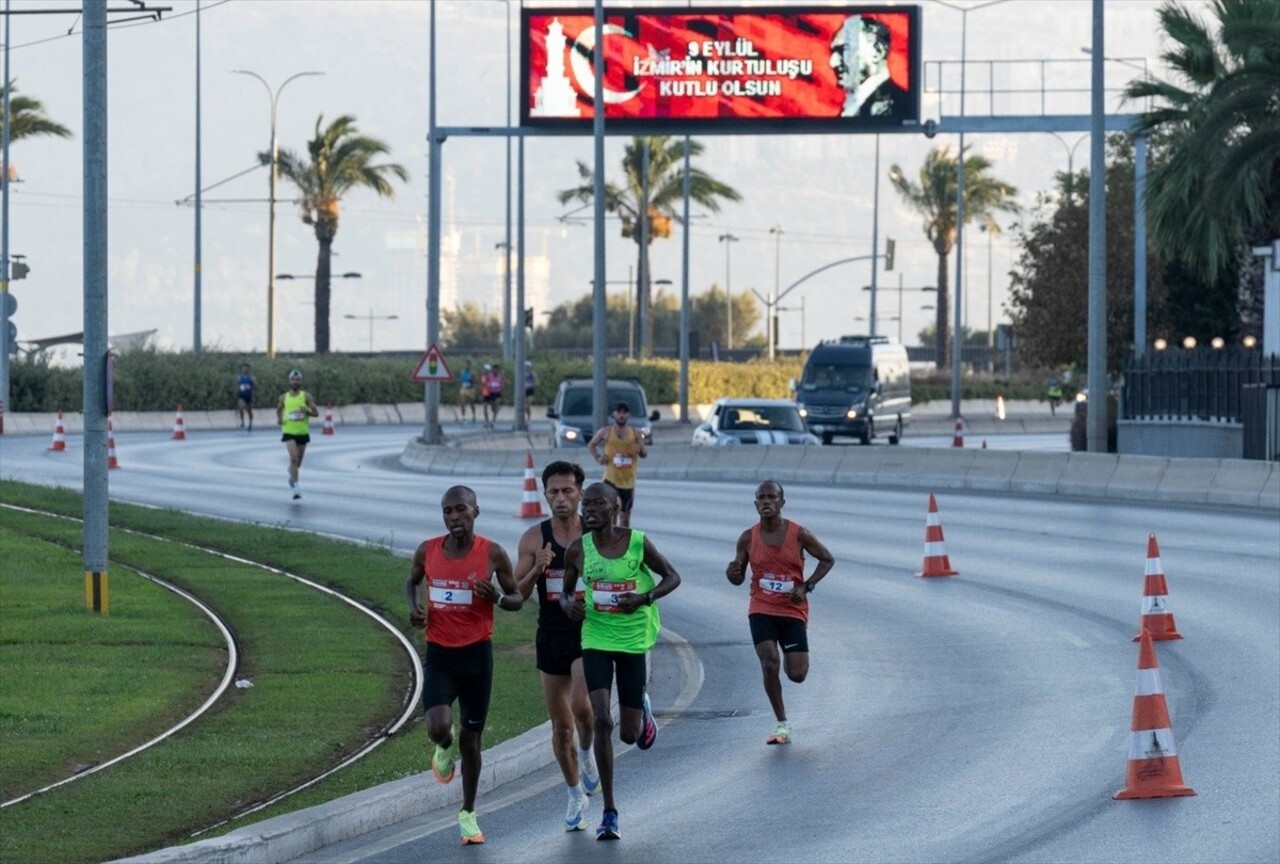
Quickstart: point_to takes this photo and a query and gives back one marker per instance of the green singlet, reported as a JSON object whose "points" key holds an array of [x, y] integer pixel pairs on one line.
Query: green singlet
{"points": [[606, 628]]}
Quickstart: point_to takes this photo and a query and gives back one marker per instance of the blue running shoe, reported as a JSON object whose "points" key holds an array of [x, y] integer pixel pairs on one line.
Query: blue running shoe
{"points": [[608, 829], [649, 732]]}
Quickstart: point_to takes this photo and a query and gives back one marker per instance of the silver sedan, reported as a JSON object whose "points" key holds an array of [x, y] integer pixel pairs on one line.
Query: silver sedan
{"points": [[733, 422]]}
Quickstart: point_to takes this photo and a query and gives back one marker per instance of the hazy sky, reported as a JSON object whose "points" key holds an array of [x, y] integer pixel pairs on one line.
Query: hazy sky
{"points": [[374, 56]]}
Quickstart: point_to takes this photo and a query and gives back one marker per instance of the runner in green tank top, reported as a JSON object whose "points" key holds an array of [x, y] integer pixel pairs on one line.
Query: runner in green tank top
{"points": [[294, 411], [618, 567]]}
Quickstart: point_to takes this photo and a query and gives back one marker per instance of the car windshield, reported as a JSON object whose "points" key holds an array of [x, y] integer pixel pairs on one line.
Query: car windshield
{"points": [[836, 376], [577, 402], [775, 418]]}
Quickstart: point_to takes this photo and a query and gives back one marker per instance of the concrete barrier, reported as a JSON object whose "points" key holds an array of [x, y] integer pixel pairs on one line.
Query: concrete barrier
{"points": [[1222, 482]]}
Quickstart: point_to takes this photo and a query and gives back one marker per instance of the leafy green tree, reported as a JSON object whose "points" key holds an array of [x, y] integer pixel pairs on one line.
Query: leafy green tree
{"points": [[1049, 288], [933, 196], [657, 194], [1214, 190], [467, 328], [339, 159]]}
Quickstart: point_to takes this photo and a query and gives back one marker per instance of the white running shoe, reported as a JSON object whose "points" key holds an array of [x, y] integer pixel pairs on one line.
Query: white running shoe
{"points": [[588, 774], [297, 492], [575, 818]]}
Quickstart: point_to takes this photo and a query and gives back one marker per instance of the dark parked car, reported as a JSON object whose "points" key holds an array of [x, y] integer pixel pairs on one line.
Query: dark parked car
{"points": [[572, 411]]}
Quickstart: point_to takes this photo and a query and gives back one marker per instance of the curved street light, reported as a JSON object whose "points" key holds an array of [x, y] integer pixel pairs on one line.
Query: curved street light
{"points": [[274, 96]]}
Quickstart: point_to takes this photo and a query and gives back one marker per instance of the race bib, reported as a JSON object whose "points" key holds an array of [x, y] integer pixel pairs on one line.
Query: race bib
{"points": [[447, 593], [606, 595], [775, 584], [555, 585], [297, 415], [621, 461]]}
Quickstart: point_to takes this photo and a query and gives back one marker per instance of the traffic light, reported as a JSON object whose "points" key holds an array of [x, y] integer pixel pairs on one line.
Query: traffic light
{"points": [[20, 270], [528, 318], [890, 246]]}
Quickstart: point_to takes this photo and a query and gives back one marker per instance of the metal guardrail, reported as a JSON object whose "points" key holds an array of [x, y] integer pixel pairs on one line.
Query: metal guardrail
{"points": [[1201, 384]]}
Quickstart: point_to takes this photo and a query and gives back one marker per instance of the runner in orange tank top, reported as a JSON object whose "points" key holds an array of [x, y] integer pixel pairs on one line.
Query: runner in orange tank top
{"points": [[457, 621], [779, 606]]}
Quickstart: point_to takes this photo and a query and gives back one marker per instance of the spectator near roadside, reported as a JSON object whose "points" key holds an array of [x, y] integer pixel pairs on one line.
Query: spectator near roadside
{"points": [[491, 387], [530, 385], [466, 393]]}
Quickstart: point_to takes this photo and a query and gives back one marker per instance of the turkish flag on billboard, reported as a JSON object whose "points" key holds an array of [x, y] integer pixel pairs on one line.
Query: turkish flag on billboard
{"points": [[712, 68]]}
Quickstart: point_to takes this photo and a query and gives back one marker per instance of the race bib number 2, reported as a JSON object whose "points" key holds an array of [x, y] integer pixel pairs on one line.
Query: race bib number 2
{"points": [[447, 593]]}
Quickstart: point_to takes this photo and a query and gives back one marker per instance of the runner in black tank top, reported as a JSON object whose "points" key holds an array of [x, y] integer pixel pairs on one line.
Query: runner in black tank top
{"points": [[540, 564]]}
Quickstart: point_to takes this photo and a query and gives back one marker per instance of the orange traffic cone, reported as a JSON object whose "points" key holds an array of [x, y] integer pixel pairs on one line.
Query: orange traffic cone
{"points": [[328, 421], [112, 462], [936, 562], [59, 436], [1153, 771], [958, 439], [1156, 617], [179, 426], [530, 506]]}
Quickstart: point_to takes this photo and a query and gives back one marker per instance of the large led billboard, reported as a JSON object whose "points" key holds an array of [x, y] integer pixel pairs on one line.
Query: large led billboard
{"points": [[784, 68]]}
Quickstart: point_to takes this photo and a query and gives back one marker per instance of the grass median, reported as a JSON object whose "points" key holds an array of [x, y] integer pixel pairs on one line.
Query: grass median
{"points": [[79, 688]]}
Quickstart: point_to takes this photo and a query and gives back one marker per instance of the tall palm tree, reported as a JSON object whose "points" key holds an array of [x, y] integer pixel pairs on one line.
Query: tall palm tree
{"points": [[339, 160], [1215, 190], [934, 198], [658, 192], [27, 119]]}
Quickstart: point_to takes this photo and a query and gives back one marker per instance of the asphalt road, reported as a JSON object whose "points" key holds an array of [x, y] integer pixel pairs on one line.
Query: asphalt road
{"points": [[977, 718]]}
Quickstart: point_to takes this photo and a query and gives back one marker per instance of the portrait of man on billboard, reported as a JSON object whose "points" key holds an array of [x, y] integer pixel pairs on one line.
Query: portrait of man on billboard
{"points": [[859, 57]]}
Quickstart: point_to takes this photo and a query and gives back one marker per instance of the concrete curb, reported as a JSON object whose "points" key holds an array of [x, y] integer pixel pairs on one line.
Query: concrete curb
{"points": [[1218, 482]]}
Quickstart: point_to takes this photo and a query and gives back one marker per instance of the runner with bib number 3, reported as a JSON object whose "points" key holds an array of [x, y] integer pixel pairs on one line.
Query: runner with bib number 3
{"points": [[779, 608]]}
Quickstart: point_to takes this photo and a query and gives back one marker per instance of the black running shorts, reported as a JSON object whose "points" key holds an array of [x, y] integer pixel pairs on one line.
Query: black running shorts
{"points": [[556, 650], [788, 632], [598, 667], [465, 674]]}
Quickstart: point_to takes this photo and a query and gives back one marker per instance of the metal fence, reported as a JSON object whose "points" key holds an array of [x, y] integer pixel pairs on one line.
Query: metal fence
{"points": [[1200, 384], [1261, 404]]}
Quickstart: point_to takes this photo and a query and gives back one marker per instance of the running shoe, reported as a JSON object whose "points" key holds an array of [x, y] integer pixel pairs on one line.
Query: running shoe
{"points": [[781, 734], [588, 773], [297, 492], [442, 763], [608, 828], [649, 732], [575, 818], [468, 827]]}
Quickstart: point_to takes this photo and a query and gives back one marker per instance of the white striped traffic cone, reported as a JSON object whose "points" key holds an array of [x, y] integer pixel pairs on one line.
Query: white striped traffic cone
{"points": [[530, 504], [1156, 617], [112, 461], [328, 421], [179, 426], [957, 439], [936, 562], [59, 444], [1153, 770]]}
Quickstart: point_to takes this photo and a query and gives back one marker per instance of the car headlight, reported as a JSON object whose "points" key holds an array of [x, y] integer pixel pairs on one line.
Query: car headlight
{"points": [[568, 433], [804, 412], [852, 414]]}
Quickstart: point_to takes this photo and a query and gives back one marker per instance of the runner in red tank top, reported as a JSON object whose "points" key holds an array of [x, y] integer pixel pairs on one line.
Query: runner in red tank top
{"points": [[457, 622], [779, 607]]}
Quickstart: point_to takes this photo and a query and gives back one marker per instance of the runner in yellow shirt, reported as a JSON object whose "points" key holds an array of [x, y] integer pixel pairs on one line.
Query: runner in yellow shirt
{"points": [[294, 411]]}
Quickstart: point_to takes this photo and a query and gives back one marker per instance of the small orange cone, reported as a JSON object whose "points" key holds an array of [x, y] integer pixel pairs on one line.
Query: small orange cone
{"points": [[958, 439], [1153, 770], [179, 426], [328, 421], [1156, 617], [530, 506], [112, 462], [936, 562], [59, 444]]}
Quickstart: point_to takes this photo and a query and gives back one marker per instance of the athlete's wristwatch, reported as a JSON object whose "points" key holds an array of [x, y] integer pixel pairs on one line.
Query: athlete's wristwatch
{"points": [[648, 598], [808, 588]]}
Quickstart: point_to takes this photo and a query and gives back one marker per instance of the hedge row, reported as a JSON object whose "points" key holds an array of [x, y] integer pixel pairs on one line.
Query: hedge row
{"points": [[152, 380]]}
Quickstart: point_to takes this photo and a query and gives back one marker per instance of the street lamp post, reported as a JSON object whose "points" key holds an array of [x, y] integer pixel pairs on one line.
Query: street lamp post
{"points": [[1071, 158], [290, 276], [371, 318], [771, 325], [728, 240], [274, 96]]}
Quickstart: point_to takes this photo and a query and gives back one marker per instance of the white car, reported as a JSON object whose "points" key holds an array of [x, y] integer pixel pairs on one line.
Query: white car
{"points": [[734, 422]]}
